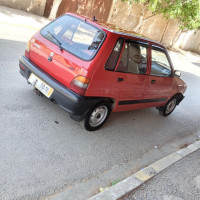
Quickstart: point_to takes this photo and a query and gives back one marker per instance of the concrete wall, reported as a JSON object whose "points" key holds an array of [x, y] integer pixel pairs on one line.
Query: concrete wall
{"points": [[171, 32], [120, 13], [124, 15], [157, 28], [33, 6], [154, 28], [190, 41], [98, 8], [127, 16]]}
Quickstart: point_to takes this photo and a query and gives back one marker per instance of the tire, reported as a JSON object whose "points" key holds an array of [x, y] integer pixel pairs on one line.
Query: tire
{"points": [[97, 116], [169, 107]]}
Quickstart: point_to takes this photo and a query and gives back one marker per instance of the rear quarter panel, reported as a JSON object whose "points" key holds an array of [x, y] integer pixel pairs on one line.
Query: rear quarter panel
{"points": [[101, 79]]}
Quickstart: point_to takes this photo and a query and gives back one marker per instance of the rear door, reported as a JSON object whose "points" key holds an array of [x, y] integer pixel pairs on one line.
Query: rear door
{"points": [[130, 78], [160, 82]]}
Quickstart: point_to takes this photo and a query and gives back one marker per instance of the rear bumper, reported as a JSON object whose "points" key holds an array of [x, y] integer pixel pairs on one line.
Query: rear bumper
{"points": [[76, 105]]}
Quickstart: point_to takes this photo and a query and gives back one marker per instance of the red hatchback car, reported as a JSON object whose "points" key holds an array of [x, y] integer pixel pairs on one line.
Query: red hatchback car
{"points": [[90, 69]]}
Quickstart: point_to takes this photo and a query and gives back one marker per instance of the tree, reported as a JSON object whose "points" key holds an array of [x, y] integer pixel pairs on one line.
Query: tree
{"points": [[187, 12], [56, 4]]}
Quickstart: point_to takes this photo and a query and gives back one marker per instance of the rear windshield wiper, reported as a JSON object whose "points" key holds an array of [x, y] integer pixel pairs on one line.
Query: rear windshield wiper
{"points": [[57, 40], [94, 45]]}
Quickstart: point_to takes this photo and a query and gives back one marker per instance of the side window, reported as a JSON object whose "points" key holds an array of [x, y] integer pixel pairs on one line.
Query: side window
{"points": [[133, 59], [160, 65], [114, 56]]}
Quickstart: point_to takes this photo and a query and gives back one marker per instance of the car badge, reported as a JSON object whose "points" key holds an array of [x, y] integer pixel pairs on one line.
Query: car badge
{"points": [[36, 45], [50, 57]]}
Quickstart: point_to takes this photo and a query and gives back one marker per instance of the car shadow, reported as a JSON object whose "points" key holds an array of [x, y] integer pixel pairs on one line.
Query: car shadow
{"points": [[196, 63]]}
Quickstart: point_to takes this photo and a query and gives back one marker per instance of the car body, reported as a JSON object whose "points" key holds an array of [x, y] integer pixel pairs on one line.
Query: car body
{"points": [[90, 69]]}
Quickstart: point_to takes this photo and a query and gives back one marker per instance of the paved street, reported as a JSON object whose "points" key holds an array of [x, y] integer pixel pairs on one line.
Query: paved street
{"points": [[43, 152], [181, 181]]}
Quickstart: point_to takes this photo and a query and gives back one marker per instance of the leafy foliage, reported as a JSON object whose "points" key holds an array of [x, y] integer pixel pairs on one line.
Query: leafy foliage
{"points": [[187, 12], [114, 182]]}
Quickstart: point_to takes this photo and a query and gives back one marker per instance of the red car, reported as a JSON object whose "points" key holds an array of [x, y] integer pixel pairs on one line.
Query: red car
{"points": [[90, 69]]}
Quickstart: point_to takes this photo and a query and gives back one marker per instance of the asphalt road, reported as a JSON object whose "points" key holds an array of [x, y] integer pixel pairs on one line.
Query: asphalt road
{"points": [[181, 181], [43, 152]]}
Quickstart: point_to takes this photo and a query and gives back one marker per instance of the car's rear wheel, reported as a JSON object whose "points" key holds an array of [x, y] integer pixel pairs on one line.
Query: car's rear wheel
{"points": [[97, 116], [169, 107]]}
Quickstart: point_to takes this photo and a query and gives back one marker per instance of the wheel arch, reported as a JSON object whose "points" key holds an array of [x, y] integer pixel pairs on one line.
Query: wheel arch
{"points": [[179, 97], [98, 115], [107, 99], [78, 118]]}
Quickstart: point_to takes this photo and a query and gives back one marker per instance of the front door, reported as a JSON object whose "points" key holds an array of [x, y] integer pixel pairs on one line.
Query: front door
{"points": [[160, 82], [130, 78]]}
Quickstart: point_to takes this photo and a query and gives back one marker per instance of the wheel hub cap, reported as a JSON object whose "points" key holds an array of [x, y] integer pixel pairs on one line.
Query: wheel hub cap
{"points": [[98, 116], [171, 106]]}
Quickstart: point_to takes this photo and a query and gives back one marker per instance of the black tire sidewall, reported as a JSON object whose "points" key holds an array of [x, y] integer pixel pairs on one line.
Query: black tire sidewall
{"points": [[164, 109], [86, 120]]}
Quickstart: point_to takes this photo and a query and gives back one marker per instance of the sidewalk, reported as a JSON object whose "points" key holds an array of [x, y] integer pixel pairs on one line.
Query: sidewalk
{"points": [[181, 181], [174, 177]]}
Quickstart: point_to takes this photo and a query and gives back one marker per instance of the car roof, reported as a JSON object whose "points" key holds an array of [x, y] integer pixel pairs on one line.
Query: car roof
{"points": [[117, 30]]}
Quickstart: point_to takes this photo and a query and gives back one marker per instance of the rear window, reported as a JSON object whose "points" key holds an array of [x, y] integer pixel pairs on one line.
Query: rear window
{"points": [[75, 36]]}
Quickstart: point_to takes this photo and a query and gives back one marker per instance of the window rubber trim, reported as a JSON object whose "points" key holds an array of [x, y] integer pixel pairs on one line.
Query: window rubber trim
{"points": [[161, 49], [117, 56], [141, 43]]}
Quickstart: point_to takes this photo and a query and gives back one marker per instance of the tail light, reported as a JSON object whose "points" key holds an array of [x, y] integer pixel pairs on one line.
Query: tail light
{"points": [[27, 50], [80, 85]]}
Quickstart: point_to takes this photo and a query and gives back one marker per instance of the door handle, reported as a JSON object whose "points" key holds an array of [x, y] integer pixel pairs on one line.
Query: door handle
{"points": [[153, 81], [120, 79]]}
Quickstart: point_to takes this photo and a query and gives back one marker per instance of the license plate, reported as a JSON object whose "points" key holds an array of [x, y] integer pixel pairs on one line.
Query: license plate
{"points": [[40, 85]]}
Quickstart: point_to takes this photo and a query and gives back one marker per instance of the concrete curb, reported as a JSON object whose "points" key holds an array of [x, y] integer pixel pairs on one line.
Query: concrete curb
{"points": [[139, 178]]}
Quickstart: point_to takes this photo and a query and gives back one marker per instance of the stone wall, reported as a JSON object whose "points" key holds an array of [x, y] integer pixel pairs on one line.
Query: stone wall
{"points": [[33, 6]]}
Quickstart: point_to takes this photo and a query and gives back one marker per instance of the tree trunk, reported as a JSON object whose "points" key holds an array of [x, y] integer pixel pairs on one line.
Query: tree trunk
{"points": [[198, 47], [175, 39], [139, 24], [142, 20], [164, 32], [54, 9]]}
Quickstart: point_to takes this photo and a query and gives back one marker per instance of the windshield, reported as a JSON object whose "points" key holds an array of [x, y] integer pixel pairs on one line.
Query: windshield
{"points": [[76, 36]]}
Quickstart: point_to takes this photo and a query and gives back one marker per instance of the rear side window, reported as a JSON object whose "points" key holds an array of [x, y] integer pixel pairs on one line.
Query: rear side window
{"points": [[114, 56], [133, 59], [76, 36], [159, 65]]}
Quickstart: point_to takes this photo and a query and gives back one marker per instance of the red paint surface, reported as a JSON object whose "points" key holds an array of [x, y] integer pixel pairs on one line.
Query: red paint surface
{"points": [[65, 67]]}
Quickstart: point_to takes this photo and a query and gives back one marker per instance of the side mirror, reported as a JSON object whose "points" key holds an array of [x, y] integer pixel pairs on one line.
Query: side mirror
{"points": [[177, 73]]}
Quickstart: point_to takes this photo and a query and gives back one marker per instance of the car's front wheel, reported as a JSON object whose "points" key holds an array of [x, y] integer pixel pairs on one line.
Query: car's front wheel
{"points": [[97, 116], [169, 107]]}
